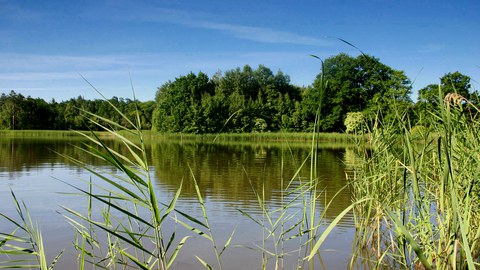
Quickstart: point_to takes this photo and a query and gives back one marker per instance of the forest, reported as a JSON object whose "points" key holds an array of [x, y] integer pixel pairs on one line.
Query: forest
{"points": [[348, 90]]}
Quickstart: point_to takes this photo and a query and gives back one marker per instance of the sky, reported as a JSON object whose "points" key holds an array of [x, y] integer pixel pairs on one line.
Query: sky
{"points": [[59, 49]]}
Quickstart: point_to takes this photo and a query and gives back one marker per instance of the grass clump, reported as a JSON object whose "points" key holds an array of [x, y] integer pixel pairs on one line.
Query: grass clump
{"points": [[423, 193], [23, 246]]}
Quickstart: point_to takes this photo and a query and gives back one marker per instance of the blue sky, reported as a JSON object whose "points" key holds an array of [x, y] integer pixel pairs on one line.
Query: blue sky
{"points": [[47, 46]]}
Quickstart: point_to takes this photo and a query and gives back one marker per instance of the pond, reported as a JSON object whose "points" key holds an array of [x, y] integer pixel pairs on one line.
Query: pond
{"points": [[227, 175]]}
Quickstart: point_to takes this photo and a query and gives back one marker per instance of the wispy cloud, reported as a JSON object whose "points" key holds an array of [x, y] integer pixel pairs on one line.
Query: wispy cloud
{"points": [[16, 61], [46, 75], [43, 64], [135, 13], [432, 48], [260, 34]]}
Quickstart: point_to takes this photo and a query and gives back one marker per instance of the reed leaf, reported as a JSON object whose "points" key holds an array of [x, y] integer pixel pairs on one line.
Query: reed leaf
{"points": [[107, 180], [108, 230], [330, 227], [135, 260], [189, 217], [153, 204], [227, 243], [110, 204], [193, 229], [29, 246], [405, 232], [173, 256], [206, 265]]}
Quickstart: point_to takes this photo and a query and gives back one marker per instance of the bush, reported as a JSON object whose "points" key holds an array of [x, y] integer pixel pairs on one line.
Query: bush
{"points": [[354, 122]]}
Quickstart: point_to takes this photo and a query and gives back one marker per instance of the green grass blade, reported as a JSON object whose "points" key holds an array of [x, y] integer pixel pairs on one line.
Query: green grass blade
{"points": [[171, 206], [170, 241], [410, 239], [109, 181], [193, 229], [206, 265], [228, 241], [20, 266], [106, 229], [329, 228], [250, 217], [154, 204], [135, 260], [176, 251], [189, 217], [109, 203], [12, 221]]}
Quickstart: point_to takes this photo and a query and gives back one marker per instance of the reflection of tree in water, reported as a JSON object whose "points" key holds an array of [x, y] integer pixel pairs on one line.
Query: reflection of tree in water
{"points": [[27, 154], [220, 170], [224, 172]]}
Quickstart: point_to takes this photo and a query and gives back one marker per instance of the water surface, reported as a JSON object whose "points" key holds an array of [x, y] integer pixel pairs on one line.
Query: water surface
{"points": [[226, 173]]}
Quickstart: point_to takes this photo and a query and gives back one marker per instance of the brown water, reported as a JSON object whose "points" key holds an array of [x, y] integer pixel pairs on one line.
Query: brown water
{"points": [[225, 174]]}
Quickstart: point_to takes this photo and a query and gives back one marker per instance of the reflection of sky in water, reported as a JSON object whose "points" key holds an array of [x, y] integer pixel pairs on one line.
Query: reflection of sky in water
{"points": [[226, 175]]}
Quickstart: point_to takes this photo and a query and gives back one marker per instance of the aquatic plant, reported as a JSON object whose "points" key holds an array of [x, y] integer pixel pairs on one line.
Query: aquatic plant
{"points": [[23, 246], [423, 192]]}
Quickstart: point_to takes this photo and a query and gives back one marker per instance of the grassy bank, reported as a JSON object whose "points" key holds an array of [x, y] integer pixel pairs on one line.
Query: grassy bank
{"points": [[280, 137], [38, 134]]}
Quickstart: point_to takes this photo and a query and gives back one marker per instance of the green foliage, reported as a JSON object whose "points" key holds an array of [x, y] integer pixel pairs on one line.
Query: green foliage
{"points": [[235, 100], [232, 102], [353, 85], [179, 104], [430, 97], [354, 122], [21, 113], [260, 125]]}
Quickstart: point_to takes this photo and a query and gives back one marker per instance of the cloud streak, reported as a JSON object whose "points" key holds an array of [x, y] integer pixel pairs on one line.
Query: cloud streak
{"points": [[135, 13], [432, 48], [46, 75], [260, 34], [15, 64]]}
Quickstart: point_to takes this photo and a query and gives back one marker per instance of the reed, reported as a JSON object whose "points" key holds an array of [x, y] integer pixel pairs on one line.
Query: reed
{"points": [[23, 246], [423, 193], [204, 229], [132, 218]]}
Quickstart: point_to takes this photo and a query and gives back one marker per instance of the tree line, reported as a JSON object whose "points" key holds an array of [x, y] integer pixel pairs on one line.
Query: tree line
{"points": [[20, 112], [347, 90]]}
